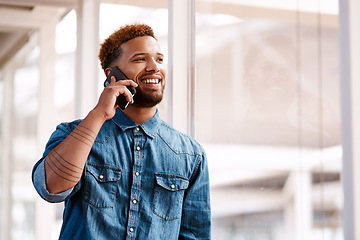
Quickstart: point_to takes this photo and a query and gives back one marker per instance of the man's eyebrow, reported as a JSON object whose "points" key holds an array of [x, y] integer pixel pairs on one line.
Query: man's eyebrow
{"points": [[142, 54]]}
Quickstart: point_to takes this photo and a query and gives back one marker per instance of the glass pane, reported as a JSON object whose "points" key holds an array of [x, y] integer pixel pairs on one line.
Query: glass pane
{"points": [[267, 113], [65, 43], [24, 148]]}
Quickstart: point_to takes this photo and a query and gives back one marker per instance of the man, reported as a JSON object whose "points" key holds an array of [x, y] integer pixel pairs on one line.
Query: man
{"points": [[126, 174]]}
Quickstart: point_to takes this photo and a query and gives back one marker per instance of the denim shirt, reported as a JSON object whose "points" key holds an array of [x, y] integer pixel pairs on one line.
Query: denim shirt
{"points": [[145, 181]]}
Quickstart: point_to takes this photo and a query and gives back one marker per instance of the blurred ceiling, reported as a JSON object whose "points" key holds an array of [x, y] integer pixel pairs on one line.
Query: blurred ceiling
{"points": [[18, 18]]}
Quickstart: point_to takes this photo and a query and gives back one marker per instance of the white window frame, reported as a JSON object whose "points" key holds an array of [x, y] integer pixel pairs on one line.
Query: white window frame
{"points": [[349, 34]]}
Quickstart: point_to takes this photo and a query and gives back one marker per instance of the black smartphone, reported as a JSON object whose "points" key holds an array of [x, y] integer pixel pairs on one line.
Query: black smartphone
{"points": [[119, 75]]}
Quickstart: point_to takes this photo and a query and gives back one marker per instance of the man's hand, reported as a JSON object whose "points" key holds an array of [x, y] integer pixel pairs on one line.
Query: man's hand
{"points": [[107, 101]]}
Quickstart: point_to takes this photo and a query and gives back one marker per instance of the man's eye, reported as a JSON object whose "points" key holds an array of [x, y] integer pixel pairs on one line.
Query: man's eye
{"points": [[160, 60], [140, 59]]}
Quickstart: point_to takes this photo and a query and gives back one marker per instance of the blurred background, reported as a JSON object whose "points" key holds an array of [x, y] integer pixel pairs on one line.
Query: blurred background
{"points": [[257, 83]]}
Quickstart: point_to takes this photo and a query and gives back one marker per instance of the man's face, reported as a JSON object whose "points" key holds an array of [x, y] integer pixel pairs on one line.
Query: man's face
{"points": [[142, 61]]}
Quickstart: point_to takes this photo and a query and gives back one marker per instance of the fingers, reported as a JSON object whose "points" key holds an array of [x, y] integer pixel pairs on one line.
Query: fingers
{"points": [[126, 82], [120, 87], [112, 80], [128, 96], [134, 84]]}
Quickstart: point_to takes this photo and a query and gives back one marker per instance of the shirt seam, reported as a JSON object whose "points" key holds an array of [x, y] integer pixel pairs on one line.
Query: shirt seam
{"points": [[176, 152]]}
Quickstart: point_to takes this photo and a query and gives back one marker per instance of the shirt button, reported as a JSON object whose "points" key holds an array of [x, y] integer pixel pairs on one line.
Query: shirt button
{"points": [[137, 173], [101, 176], [131, 229], [134, 201], [138, 148], [137, 129], [172, 186]]}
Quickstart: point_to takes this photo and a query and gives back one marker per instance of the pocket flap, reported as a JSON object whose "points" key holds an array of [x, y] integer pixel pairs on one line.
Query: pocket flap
{"points": [[104, 173], [171, 182]]}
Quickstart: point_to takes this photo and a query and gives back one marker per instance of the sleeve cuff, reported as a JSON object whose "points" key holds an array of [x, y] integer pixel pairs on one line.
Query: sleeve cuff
{"points": [[38, 178]]}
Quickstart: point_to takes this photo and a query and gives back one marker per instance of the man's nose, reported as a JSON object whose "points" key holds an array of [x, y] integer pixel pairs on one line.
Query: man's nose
{"points": [[153, 66]]}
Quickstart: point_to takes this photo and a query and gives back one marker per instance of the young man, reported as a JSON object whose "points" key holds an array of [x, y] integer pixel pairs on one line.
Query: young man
{"points": [[126, 174]]}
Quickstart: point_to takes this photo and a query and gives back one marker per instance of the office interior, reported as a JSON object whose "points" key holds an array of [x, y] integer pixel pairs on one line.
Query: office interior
{"points": [[267, 87]]}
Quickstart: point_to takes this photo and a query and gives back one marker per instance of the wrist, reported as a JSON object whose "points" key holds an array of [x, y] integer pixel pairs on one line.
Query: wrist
{"points": [[98, 116]]}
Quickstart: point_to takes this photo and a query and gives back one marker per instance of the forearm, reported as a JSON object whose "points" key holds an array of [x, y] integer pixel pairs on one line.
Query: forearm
{"points": [[65, 163]]}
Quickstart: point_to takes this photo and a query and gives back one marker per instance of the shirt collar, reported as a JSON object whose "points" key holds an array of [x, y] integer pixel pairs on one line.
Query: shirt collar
{"points": [[149, 127]]}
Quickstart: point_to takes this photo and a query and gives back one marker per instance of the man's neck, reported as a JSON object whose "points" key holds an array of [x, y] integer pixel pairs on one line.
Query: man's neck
{"points": [[138, 114]]}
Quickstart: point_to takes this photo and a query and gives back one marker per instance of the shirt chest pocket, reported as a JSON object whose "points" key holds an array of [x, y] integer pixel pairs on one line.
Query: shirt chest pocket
{"points": [[168, 195], [100, 185]]}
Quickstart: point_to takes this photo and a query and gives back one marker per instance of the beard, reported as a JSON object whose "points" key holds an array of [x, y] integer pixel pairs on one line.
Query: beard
{"points": [[148, 99]]}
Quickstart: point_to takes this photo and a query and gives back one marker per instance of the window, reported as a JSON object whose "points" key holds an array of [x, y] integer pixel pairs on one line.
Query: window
{"points": [[266, 110], [267, 113]]}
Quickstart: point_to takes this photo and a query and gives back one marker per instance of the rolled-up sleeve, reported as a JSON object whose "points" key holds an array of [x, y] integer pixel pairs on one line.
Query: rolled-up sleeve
{"points": [[38, 178], [38, 172]]}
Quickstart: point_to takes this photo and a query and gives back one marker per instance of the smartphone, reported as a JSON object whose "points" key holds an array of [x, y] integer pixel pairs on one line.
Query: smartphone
{"points": [[119, 75]]}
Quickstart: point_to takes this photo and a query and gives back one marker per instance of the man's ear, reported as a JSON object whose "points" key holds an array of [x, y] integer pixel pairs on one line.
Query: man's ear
{"points": [[107, 71]]}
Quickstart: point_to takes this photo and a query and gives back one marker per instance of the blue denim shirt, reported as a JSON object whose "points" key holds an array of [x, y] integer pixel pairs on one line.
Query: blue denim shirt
{"points": [[145, 181]]}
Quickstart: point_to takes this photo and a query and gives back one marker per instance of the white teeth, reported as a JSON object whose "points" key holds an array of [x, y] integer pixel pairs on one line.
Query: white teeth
{"points": [[154, 81]]}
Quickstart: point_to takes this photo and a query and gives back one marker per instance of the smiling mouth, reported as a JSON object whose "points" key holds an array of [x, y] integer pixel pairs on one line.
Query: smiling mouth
{"points": [[151, 81]]}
